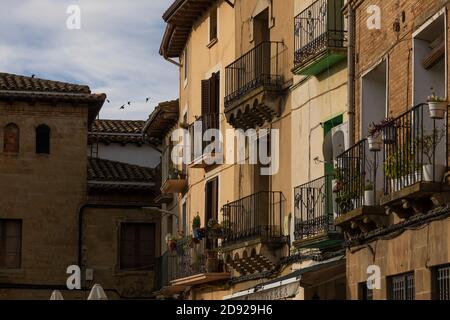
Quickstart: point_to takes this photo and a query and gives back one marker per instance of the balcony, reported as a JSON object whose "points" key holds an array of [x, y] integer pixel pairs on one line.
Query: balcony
{"points": [[254, 86], [188, 265], [173, 180], [319, 37], [415, 161], [202, 153], [358, 185], [254, 236], [407, 174], [314, 227]]}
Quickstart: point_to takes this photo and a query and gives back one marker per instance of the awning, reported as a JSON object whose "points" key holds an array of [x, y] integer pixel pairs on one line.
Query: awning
{"points": [[286, 287]]}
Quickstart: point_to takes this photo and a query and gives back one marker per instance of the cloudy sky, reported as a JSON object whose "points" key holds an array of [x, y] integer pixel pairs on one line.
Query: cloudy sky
{"points": [[115, 51]]}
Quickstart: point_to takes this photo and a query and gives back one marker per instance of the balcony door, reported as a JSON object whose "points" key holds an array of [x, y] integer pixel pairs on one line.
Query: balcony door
{"points": [[261, 38], [261, 189], [212, 206]]}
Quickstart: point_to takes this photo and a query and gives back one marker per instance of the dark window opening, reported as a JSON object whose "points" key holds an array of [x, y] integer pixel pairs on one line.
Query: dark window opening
{"points": [[213, 24], [10, 244], [212, 206], [43, 139], [137, 246], [365, 294]]}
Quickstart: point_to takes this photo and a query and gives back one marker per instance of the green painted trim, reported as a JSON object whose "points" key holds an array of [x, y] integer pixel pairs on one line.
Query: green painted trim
{"points": [[320, 64]]}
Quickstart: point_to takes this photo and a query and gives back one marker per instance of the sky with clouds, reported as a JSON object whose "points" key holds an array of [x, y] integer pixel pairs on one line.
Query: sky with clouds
{"points": [[115, 51]]}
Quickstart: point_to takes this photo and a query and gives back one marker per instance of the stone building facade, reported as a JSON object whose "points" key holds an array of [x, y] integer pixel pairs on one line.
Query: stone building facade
{"points": [[54, 211]]}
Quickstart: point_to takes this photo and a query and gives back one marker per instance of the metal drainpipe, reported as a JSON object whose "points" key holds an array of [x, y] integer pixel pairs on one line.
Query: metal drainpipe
{"points": [[351, 75]]}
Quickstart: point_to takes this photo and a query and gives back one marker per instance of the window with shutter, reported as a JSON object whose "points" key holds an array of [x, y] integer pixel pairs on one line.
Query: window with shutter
{"points": [[137, 246], [10, 244]]}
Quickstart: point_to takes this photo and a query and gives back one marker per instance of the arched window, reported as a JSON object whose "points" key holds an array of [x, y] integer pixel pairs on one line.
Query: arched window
{"points": [[43, 139], [11, 137]]}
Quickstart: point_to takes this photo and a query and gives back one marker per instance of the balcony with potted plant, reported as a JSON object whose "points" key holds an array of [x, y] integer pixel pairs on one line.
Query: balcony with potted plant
{"points": [[174, 180], [195, 259], [357, 192], [415, 164]]}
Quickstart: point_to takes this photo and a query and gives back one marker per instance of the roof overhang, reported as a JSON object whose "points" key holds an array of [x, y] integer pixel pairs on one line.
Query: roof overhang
{"points": [[162, 120], [180, 17]]}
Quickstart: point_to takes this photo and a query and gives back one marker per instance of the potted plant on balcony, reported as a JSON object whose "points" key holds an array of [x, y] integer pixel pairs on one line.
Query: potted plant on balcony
{"points": [[171, 241], [369, 194], [437, 105], [374, 138], [199, 233], [401, 168], [432, 171], [214, 229]]}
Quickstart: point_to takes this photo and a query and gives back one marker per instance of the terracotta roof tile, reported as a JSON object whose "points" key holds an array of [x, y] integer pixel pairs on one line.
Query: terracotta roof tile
{"points": [[12, 82], [101, 170], [16, 87], [118, 126]]}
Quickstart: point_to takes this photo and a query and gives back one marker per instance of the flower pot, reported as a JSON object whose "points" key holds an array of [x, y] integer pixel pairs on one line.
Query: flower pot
{"points": [[437, 109], [395, 184], [171, 245], [410, 179], [375, 143], [439, 172], [369, 198]]}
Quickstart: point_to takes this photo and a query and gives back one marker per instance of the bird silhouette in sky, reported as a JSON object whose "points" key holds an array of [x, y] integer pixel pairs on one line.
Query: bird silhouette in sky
{"points": [[129, 103], [122, 107], [147, 100], [108, 101]]}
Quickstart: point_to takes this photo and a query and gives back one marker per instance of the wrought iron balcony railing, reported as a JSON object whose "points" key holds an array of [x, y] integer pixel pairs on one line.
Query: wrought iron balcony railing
{"points": [[314, 209], [415, 149], [350, 178], [261, 66], [259, 216], [318, 28]]}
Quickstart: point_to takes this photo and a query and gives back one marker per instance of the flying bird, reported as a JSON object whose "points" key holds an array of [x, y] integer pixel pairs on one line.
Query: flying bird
{"points": [[147, 99], [122, 107], [108, 101], [129, 103]]}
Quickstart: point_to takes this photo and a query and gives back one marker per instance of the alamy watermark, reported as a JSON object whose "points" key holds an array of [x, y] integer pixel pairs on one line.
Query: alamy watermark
{"points": [[73, 22], [252, 147]]}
